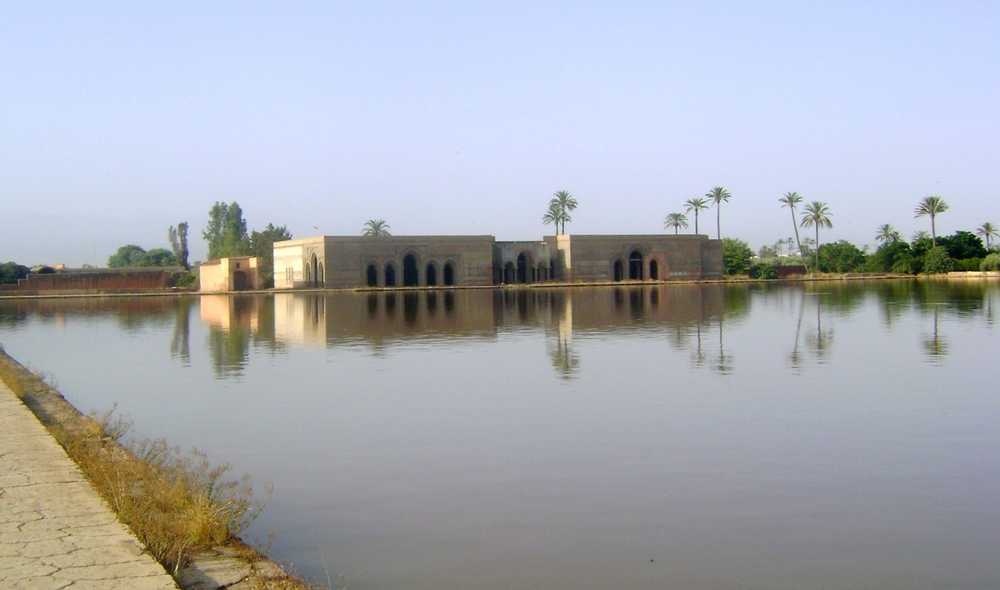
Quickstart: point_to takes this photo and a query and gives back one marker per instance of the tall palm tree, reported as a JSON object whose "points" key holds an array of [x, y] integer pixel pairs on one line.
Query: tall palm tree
{"points": [[676, 221], [887, 234], [566, 203], [988, 231], [817, 214], [376, 228], [931, 206], [718, 196], [695, 204], [790, 200], [553, 215]]}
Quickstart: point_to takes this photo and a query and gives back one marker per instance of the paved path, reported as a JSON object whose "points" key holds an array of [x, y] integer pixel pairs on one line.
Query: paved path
{"points": [[55, 531]]}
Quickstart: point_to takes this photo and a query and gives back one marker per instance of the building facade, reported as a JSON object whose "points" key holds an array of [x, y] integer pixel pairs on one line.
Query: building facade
{"points": [[236, 273], [429, 261]]}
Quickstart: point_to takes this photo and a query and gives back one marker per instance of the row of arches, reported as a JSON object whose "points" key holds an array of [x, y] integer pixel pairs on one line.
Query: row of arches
{"points": [[634, 269], [313, 272], [409, 275], [524, 270]]}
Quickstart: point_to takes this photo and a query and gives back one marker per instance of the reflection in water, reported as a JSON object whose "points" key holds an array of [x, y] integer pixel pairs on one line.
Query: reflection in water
{"points": [[935, 345], [180, 346]]}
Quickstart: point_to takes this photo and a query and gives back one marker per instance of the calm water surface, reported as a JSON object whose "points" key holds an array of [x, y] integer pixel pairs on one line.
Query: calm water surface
{"points": [[836, 436]]}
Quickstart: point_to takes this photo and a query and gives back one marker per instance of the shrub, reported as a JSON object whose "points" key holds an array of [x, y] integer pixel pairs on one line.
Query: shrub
{"points": [[903, 265], [991, 262], [937, 260], [841, 256], [184, 280], [735, 256], [888, 256], [968, 264], [763, 270], [962, 244]]}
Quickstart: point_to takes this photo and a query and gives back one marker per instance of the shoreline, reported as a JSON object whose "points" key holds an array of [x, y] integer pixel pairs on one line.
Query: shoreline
{"points": [[735, 280]]}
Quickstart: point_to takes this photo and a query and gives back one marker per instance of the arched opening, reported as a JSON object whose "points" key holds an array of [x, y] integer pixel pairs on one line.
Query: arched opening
{"points": [[390, 275], [371, 276], [619, 270], [411, 277], [307, 271], [654, 270], [509, 273], [314, 264], [319, 275], [432, 275], [523, 271], [449, 275], [540, 273], [635, 266]]}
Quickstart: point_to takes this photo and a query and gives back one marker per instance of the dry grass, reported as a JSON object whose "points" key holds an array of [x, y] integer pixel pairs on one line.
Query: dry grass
{"points": [[177, 504]]}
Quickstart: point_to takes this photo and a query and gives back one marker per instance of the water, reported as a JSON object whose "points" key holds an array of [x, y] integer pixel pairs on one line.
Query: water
{"points": [[835, 435]]}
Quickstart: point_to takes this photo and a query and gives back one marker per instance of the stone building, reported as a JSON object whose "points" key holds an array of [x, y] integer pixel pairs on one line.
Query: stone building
{"points": [[236, 273], [419, 261]]}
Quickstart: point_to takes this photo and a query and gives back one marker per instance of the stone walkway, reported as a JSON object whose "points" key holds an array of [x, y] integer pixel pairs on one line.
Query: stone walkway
{"points": [[55, 531]]}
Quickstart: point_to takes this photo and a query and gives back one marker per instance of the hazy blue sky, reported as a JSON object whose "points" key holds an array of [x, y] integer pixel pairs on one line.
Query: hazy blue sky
{"points": [[117, 120]]}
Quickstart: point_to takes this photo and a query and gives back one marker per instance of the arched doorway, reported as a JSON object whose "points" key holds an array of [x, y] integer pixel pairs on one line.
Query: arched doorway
{"points": [[390, 275], [314, 266], [635, 266], [449, 275], [431, 275], [411, 277], [308, 272], [319, 275], [371, 276], [619, 270], [523, 270], [509, 273], [654, 270]]}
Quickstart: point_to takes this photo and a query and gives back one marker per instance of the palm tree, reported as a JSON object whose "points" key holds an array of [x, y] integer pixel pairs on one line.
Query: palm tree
{"points": [[553, 215], [919, 235], [718, 195], [566, 203], [931, 206], [817, 214], [790, 200], [695, 204], [376, 228], [988, 231], [676, 221], [887, 234]]}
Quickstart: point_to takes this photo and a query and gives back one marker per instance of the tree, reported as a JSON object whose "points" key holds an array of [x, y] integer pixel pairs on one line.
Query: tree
{"points": [[226, 232], [988, 231], [840, 256], [675, 221], [736, 256], [262, 246], [695, 204], [158, 257], [891, 257], [718, 196], [817, 214], [128, 255], [10, 272], [791, 200], [553, 215], [937, 260], [566, 203], [887, 234], [931, 206], [179, 243], [962, 245], [376, 228]]}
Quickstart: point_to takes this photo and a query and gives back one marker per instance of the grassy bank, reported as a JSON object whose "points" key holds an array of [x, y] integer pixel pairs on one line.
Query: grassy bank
{"points": [[180, 506]]}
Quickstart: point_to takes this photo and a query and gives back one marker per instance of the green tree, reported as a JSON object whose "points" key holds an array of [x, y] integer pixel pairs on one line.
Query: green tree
{"points": [[226, 232], [128, 255], [962, 244], [791, 200], [991, 262], [840, 256], [157, 257], [262, 246], [736, 256], [937, 260], [817, 214], [718, 196], [931, 206], [553, 215], [988, 231], [675, 221], [565, 203], [376, 228], [886, 234], [10, 272], [179, 243], [695, 204], [891, 257]]}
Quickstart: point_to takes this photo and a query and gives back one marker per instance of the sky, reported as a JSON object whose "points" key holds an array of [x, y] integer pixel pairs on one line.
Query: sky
{"points": [[120, 119]]}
